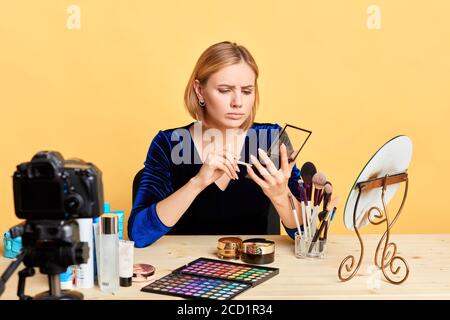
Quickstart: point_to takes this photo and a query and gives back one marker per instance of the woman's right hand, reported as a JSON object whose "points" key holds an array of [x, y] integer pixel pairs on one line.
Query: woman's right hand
{"points": [[216, 164]]}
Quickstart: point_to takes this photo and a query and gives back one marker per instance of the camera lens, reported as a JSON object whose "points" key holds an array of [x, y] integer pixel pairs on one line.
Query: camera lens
{"points": [[73, 203]]}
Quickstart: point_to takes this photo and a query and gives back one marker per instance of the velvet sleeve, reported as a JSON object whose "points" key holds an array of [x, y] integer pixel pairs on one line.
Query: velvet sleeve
{"points": [[144, 225]]}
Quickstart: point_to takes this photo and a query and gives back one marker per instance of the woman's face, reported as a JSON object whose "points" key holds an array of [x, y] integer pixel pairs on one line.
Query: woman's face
{"points": [[229, 95]]}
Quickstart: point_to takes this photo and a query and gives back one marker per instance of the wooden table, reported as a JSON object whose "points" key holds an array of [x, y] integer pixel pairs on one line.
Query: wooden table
{"points": [[428, 257]]}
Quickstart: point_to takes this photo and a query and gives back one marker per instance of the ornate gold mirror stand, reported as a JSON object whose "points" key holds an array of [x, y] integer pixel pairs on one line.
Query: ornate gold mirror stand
{"points": [[384, 259]]}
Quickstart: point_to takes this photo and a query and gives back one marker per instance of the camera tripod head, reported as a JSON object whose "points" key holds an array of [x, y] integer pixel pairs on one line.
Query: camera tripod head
{"points": [[52, 246]]}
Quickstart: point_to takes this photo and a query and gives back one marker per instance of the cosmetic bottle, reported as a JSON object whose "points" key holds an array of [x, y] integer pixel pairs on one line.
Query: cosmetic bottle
{"points": [[120, 216], [109, 254], [12, 246], [126, 257], [106, 207], [66, 279]]}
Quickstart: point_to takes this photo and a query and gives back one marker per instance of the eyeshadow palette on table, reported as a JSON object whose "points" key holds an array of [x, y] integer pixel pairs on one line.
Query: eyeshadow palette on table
{"points": [[206, 278]]}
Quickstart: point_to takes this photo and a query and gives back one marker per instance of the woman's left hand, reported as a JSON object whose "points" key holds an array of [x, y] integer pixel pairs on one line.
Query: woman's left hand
{"points": [[275, 182]]}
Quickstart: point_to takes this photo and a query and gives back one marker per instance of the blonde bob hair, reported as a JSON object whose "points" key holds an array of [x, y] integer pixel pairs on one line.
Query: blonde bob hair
{"points": [[213, 59]]}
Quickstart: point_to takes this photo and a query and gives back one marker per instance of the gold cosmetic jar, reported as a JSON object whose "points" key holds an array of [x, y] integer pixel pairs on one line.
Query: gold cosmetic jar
{"points": [[229, 248], [258, 251]]}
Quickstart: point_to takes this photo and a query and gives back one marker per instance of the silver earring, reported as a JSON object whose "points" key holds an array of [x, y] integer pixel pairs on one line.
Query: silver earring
{"points": [[202, 103]]}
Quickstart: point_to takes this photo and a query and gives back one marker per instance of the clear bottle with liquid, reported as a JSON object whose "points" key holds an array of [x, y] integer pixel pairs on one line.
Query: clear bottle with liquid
{"points": [[109, 254]]}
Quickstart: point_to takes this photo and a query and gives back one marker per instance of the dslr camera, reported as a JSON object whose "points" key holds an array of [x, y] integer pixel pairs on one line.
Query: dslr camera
{"points": [[49, 187]]}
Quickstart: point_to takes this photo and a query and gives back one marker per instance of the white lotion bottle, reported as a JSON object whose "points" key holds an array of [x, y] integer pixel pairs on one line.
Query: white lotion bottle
{"points": [[109, 254], [126, 254]]}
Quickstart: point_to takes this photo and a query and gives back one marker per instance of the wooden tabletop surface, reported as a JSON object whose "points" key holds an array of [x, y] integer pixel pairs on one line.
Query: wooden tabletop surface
{"points": [[428, 256]]}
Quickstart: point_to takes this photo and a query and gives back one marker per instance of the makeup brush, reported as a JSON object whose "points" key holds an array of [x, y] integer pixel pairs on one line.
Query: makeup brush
{"points": [[326, 199], [322, 195], [319, 179], [317, 234], [302, 203], [332, 215], [323, 237], [322, 215], [307, 210], [333, 203], [243, 163], [327, 226], [302, 190], [307, 171], [327, 192], [295, 214]]}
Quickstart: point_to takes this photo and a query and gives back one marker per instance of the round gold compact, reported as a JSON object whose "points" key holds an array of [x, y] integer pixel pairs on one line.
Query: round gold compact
{"points": [[258, 251], [229, 248]]}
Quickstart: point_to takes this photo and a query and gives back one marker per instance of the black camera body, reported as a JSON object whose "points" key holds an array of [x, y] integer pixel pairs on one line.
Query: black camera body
{"points": [[49, 187]]}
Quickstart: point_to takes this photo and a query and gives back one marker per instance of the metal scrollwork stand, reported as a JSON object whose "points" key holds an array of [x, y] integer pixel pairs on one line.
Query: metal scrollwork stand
{"points": [[386, 252]]}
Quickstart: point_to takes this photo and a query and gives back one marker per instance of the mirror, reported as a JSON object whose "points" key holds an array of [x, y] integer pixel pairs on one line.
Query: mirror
{"points": [[393, 157]]}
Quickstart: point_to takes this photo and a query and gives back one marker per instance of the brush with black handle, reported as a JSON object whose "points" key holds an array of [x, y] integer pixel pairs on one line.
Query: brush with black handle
{"points": [[333, 203], [307, 171]]}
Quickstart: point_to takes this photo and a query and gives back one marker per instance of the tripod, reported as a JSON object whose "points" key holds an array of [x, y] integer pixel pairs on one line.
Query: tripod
{"points": [[54, 292]]}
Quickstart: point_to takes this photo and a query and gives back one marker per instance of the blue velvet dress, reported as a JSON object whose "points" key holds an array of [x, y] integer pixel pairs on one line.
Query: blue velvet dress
{"points": [[242, 208]]}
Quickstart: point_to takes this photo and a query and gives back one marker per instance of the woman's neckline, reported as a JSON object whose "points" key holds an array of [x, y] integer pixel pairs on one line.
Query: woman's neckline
{"points": [[242, 147], [197, 154]]}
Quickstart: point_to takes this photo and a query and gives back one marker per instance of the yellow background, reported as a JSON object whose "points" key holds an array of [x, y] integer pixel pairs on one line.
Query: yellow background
{"points": [[101, 93]]}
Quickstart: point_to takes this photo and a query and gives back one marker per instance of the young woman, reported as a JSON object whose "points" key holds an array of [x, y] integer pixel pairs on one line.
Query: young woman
{"points": [[192, 181]]}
